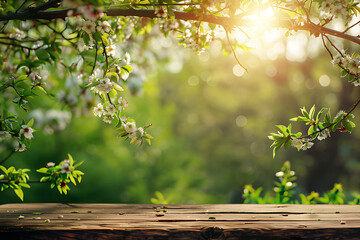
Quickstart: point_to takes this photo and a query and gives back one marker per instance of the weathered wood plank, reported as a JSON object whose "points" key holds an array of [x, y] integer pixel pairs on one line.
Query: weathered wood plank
{"points": [[222, 221]]}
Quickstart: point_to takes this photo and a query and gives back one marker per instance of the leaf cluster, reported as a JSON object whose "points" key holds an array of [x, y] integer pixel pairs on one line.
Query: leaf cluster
{"points": [[60, 178]]}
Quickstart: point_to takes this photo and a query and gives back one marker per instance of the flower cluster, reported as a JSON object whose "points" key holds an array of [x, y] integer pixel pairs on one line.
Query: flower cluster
{"points": [[107, 111], [17, 34], [62, 174], [336, 8], [65, 167], [87, 26], [198, 39], [323, 134], [350, 64], [19, 139], [302, 144], [104, 85]]}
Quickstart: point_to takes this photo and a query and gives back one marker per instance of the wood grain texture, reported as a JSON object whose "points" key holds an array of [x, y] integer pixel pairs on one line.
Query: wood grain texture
{"points": [[208, 221]]}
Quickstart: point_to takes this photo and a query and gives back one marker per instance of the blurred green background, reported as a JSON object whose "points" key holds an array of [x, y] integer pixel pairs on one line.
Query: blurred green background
{"points": [[210, 122]]}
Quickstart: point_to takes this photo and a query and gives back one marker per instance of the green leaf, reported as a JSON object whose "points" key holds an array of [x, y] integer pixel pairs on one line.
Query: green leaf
{"points": [[328, 117], [97, 36], [20, 78], [127, 68], [40, 89], [93, 84], [282, 128], [287, 144], [19, 193], [42, 54], [112, 93], [30, 123], [78, 164], [311, 129], [118, 87], [86, 38], [299, 119], [71, 159], [25, 185], [4, 169], [319, 114], [44, 179], [42, 170], [276, 148], [72, 179], [312, 112], [304, 112]]}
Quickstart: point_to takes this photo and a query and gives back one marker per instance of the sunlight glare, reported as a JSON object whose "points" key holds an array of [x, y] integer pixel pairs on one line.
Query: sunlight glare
{"points": [[262, 20], [295, 48]]}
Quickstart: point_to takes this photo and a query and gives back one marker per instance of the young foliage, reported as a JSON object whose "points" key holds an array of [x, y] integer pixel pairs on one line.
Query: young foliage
{"points": [[285, 192], [319, 126], [61, 175]]}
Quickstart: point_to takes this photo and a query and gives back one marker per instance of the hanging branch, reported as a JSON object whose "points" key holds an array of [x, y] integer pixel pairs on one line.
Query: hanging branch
{"points": [[7, 157], [233, 51]]}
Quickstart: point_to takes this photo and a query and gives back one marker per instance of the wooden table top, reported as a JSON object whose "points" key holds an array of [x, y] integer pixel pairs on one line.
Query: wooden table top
{"points": [[205, 221]]}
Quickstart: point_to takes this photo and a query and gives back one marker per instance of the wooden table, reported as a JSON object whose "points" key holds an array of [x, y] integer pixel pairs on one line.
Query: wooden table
{"points": [[209, 221]]}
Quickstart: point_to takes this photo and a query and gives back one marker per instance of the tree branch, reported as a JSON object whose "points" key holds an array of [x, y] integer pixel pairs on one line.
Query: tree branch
{"points": [[17, 182], [227, 22]]}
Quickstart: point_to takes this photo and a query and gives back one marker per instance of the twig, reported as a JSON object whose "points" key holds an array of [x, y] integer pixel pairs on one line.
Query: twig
{"points": [[351, 27], [243, 32], [17, 45], [7, 157], [353, 108], [21, 6], [96, 50], [333, 45], [106, 57], [233, 51], [108, 96], [327, 49], [301, 4], [17, 182], [17, 92]]}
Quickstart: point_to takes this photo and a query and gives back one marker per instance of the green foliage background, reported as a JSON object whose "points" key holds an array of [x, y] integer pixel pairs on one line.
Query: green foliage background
{"points": [[200, 154]]}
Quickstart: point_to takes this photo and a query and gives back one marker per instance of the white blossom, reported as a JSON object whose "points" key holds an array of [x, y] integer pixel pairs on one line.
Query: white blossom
{"points": [[296, 143], [289, 184], [161, 12], [123, 103], [323, 134], [27, 131], [111, 50], [103, 27], [307, 145], [50, 164], [65, 167], [111, 109], [336, 8], [130, 127], [105, 85], [17, 34], [279, 174], [99, 110], [141, 131], [85, 25]]}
